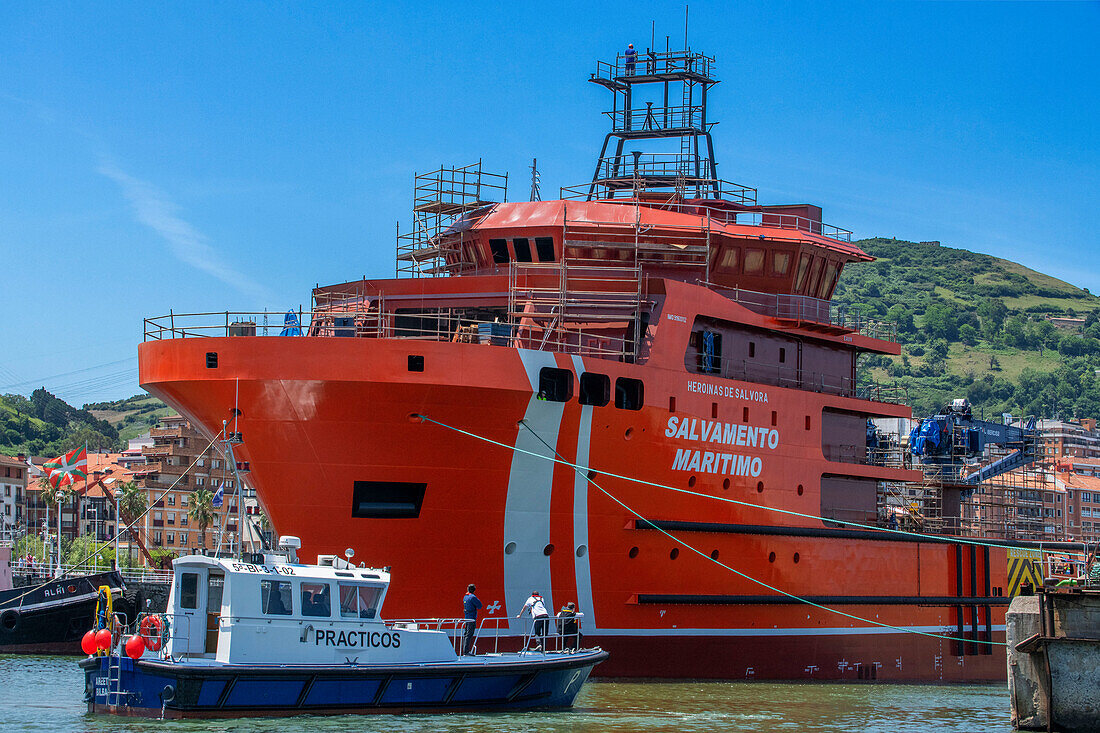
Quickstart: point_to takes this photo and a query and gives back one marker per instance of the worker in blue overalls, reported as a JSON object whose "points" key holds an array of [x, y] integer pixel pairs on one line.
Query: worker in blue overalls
{"points": [[631, 57]]}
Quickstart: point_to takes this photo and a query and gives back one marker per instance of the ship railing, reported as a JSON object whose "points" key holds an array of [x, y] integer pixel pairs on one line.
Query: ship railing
{"points": [[658, 119], [557, 636], [711, 216], [807, 309], [541, 331], [658, 64], [864, 455], [785, 376]]}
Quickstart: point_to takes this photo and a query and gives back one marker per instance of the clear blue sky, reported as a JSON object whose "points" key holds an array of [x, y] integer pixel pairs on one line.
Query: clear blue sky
{"points": [[212, 156]]}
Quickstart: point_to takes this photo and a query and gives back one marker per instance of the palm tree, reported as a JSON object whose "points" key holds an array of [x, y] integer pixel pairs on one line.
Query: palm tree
{"points": [[202, 512], [132, 503]]}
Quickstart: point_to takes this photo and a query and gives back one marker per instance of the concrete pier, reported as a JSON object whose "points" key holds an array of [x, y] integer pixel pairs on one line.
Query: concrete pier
{"points": [[1054, 660]]}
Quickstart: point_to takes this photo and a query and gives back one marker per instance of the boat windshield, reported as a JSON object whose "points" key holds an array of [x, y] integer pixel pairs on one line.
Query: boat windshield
{"points": [[358, 600]]}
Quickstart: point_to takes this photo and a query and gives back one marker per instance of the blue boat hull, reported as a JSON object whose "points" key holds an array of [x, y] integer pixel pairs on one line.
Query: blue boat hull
{"points": [[174, 690]]}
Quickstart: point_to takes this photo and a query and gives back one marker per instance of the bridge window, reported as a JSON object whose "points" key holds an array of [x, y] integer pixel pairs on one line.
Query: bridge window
{"points": [[544, 247], [803, 268], [555, 385], [595, 389], [629, 394], [275, 597], [828, 281], [781, 262], [730, 259], [754, 261], [499, 248], [316, 600], [522, 246]]}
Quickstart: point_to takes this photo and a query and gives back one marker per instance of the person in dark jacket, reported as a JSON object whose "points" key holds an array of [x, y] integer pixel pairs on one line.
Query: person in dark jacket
{"points": [[471, 604], [569, 627]]}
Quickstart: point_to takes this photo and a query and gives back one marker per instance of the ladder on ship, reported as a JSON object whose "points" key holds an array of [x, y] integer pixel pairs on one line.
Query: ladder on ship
{"points": [[114, 678]]}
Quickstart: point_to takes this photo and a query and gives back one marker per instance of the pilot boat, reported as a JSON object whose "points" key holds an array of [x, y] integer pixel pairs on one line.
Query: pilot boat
{"points": [[266, 635]]}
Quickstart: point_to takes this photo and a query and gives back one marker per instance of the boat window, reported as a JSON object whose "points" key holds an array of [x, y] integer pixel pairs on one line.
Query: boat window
{"points": [[781, 262], [359, 601], [628, 393], [316, 600], [730, 257], [754, 261], [522, 246], [214, 588], [815, 275], [595, 389], [275, 597], [189, 590], [544, 246], [555, 385], [828, 281], [803, 268], [499, 248]]}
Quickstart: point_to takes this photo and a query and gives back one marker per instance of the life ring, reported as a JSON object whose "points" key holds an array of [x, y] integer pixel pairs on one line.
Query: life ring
{"points": [[154, 631], [9, 619]]}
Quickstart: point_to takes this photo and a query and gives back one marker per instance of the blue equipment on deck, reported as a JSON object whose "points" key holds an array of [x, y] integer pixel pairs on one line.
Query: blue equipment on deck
{"points": [[955, 436]]}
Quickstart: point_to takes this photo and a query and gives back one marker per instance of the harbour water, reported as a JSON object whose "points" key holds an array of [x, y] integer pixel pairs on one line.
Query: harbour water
{"points": [[45, 694]]}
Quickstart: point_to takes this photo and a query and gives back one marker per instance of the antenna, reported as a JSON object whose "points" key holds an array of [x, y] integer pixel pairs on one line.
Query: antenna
{"points": [[686, 46], [535, 180]]}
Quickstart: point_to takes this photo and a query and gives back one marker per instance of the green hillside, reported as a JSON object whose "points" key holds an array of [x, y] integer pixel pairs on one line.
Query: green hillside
{"points": [[973, 325], [46, 425]]}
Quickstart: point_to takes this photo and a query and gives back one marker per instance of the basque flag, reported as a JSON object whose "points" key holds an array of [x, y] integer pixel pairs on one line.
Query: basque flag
{"points": [[65, 470], [219, 496]]}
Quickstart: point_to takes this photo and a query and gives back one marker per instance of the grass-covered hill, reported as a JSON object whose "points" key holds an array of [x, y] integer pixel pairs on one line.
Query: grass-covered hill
{"points": [[972, 325], [46, 425]]}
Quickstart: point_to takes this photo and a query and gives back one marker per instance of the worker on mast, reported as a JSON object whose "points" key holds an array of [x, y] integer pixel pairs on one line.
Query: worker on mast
{"points": [[631, 57]]}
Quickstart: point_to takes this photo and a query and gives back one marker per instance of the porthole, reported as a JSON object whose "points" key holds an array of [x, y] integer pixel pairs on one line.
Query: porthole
{"points": [[714, 554], [591, 475], [629, 433], [633, 553], [800, 489], [548, 550], [726, 484], [582, 551], [771, 557], [760, 487], [675, 553], [509, 548], [691, 481], [796, 558]]}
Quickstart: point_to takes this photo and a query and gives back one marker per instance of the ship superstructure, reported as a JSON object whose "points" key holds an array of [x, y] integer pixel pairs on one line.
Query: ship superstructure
{"points": [[637, 397]]}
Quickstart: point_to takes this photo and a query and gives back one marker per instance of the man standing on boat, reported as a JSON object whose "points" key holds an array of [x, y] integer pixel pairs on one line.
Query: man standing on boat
{"points": [[470, 606], [541, 616]]}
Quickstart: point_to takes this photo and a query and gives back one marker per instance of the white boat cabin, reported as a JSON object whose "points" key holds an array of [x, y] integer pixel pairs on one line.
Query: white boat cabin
{"points": [[280, 611]]}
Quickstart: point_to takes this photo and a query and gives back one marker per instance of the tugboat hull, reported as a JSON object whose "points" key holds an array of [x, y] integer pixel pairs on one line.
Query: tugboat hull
{"points": [[51, 618]]}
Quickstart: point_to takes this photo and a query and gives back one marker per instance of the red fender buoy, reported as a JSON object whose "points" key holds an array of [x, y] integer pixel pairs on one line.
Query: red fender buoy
{"points": [[103, 640], [87, 644], [135, 647]]}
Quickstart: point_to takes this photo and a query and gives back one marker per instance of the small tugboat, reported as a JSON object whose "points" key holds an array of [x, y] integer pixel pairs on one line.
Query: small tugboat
{"points": [[51, 616], [267, 635]]}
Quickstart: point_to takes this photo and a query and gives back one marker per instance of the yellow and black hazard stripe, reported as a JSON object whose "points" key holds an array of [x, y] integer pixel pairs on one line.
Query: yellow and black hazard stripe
{"points": [[1024, 570]]}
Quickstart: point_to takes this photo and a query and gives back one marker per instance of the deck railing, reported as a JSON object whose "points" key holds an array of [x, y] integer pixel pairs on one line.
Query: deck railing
{"points": [[495, 628], [807, 309]]}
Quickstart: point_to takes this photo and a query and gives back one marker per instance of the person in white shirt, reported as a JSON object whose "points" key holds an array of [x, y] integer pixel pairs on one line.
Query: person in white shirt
{"points": [[539, 613]]}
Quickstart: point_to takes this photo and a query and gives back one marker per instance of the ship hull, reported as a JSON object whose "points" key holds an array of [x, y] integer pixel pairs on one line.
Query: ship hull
{"points": [[459, 474]]}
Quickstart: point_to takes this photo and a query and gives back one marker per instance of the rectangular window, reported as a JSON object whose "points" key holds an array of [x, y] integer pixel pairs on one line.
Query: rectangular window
{"points": [[171, 499], [316, 600], [387, 499], [522, 246], [782, 355], [359, 601], [781, 262], [803, 268], [499, 248], [555, 385], [275, 597], [189, 590], [731, 256], [752, 349], [629, 394], [595, 389], [815, 275], [827, 282], [754, 261], [544, 247]]}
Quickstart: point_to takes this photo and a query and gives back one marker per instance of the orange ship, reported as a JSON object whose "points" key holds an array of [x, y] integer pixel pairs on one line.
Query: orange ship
{"points": [[637, 397]]}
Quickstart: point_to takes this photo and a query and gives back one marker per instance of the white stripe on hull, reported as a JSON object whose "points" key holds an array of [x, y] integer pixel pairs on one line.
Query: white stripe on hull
{"points": [[580, 513], [527, 507]]}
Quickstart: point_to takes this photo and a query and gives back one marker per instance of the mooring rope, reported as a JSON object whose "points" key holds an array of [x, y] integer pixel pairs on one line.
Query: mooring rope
{"points": [[583, 471]]}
